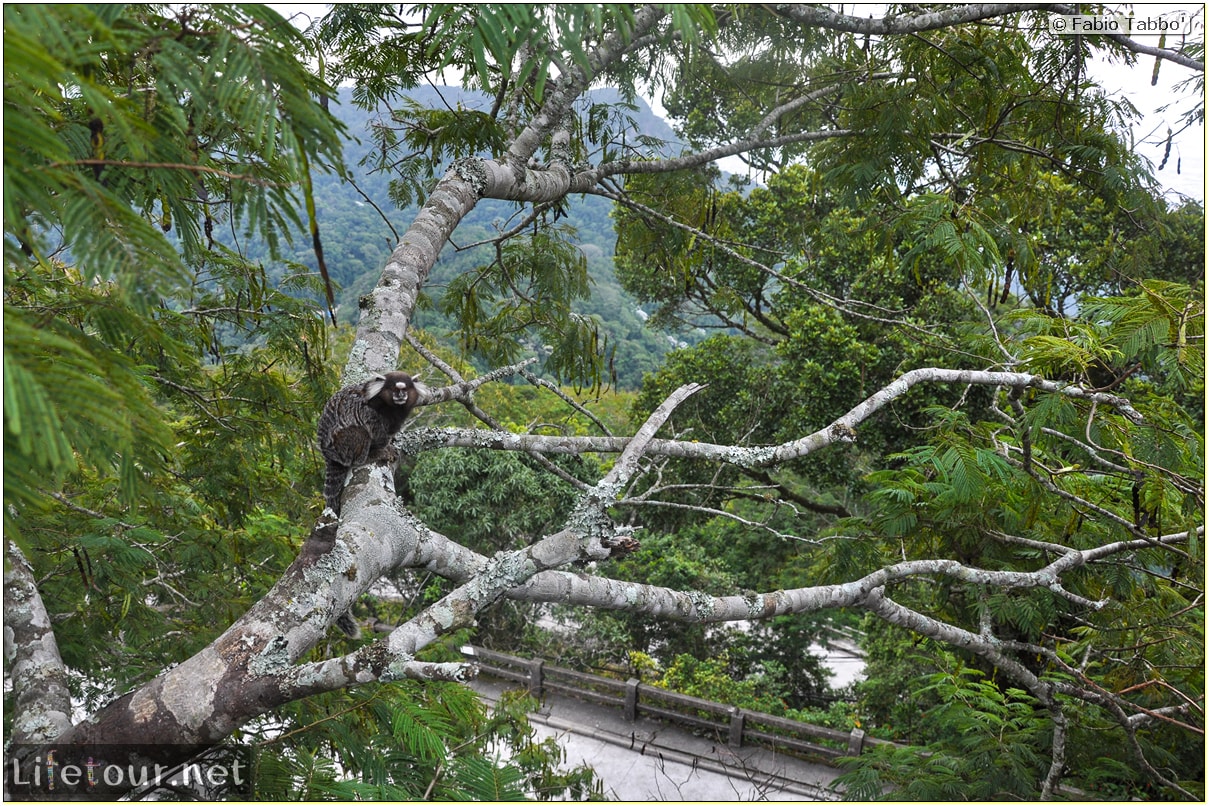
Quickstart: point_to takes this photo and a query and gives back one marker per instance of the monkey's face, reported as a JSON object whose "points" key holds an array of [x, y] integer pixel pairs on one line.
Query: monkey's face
{"points": [[403, 393], [400, 389]]}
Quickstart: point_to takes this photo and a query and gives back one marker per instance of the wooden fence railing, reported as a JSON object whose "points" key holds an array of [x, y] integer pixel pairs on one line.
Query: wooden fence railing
{"points": [[739, 726]]}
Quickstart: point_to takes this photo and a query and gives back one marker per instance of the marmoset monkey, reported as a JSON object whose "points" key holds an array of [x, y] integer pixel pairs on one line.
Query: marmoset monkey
{"points": [[357, 424], [355, 427]]}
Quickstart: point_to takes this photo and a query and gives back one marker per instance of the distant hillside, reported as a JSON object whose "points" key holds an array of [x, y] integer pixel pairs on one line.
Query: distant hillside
{"points": [[357, 240]]}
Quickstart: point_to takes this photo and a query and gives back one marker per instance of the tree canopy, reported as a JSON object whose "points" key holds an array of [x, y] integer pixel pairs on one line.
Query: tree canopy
{"points": [[952, 399]]}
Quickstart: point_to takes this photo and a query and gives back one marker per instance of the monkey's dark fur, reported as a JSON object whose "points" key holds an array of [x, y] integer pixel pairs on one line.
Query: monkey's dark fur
{"points": [[355, 427], [357, 423]]}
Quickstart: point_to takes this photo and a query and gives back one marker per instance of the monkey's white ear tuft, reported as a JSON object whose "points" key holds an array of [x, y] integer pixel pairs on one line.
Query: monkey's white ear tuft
{"points": [[373, 386]]}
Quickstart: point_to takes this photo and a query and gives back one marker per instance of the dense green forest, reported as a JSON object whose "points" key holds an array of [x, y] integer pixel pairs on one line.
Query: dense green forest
{"points": [[939, 388]]}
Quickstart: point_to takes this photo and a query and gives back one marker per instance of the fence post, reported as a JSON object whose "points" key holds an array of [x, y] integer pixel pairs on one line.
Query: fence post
{"points": [[631, 699], [535, 678], [737, 720], [856, 742]]}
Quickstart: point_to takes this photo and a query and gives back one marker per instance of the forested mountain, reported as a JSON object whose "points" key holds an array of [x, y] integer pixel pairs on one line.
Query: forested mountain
{"points": [[359, 225]]}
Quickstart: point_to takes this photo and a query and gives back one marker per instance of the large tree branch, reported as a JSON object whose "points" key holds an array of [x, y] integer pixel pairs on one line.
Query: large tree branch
{"points": [[31, 656], [572, 84], [695, 607], [440, 555], [250, 669], [386, 311], [588, 534]]}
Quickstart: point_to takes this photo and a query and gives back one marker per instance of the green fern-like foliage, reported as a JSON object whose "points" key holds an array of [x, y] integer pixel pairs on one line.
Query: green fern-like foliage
{"points": [[988, 747], [124, 124], [523, 299], [132, 135], [409, 741], [1160, 325], [156, 381]]}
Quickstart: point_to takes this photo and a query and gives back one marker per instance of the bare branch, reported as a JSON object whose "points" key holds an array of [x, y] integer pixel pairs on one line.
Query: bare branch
{"points": [[797, 103], [468, 402], [586, 180], [841, 430], [720, 513], [626, 465], [1158, 53], [823, 17], [462, 390]]}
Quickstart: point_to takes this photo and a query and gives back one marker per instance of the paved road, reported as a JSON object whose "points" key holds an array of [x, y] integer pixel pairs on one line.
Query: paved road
{"points": [[648, 760]]}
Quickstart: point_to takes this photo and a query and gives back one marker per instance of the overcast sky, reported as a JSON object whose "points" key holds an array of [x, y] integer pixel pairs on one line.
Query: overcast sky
{"points": [[1150, 134]]}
